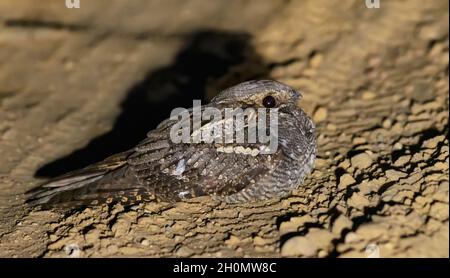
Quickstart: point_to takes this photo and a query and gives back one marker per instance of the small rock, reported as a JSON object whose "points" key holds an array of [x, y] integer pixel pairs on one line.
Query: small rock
{"points": [[359, 141], [431, 32], [184, 251], [288, 227], [233, 240], [259, 241], [121, 228], [112, 249], [422, 93], [320, 163], [92, 236], [433, 142], [371, 231], [351, 237], [345, 181], [433, 177], [322, 254], [398, 146], [433, 225], [320, 114], [301, 220], [387, 123], [294, 223], [423, 200], [367, 95], [298, 246], [395, 175], [358, 201], [439, 211], [441, 194], [322, 198], [441, 165], [345, 164], [402, 160], [444, 185], [321, 238], [316, 60], [341, 223], [361, 161], [368, 186], [331, 127]]}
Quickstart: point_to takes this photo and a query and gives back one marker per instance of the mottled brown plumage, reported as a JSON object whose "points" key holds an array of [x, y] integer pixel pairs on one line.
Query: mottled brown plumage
{"points": [[172, 172]]}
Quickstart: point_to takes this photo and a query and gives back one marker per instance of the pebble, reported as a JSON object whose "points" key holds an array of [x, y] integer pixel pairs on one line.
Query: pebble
{"points": [[316, 60], [422, 92], [320, 163], [184, 251], [441, 165], [361, 161], [398, 146], [367, 95], [345, 181], [358, 201], [112, 248], [320, 114], [233, 240], [431, 32], [439, 211], [322, 254], [331, 127], [359, 141], [433, 142], [387, 123], [298, 246], [294, 223], [321, 238], [341, 223], [402, 160], [372, 231], [351, 237], [395, 175], [259, 241], [345, 164]]}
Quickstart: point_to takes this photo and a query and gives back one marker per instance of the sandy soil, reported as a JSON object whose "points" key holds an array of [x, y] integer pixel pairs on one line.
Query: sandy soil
{"points": [[77, 85]]}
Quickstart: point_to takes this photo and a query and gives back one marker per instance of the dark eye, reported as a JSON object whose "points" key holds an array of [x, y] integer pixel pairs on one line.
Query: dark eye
{"points": [[269, 102]]}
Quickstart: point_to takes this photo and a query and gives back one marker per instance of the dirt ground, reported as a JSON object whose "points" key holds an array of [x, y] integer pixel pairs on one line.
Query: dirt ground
{"points": [[77, 85]]}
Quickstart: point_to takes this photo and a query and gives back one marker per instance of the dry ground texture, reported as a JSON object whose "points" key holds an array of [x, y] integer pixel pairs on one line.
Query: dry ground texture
{"points": [[77, 85]]}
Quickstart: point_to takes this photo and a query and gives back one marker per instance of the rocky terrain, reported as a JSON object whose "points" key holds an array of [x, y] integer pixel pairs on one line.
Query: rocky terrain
{"points": [[77, 85]]}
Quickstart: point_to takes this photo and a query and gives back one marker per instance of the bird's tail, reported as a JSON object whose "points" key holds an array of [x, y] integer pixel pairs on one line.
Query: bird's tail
{"points": [[103, 182]]}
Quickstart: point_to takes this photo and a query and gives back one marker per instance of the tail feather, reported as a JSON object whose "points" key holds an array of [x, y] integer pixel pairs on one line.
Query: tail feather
{"points": [[105, 181], [46, 192]]}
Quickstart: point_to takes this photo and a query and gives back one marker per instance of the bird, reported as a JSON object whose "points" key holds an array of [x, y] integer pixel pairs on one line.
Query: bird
{"points": [[162, 169]]}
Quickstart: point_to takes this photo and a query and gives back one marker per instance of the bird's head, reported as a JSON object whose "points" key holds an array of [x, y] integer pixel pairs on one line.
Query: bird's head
{"points": [[258, 94]]}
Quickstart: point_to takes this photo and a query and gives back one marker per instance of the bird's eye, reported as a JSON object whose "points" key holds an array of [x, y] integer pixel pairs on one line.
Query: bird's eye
{"points": [[269, 102]]}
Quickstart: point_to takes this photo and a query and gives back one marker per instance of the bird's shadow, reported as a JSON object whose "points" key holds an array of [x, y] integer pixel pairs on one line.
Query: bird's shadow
{"points": [[207, 56]]}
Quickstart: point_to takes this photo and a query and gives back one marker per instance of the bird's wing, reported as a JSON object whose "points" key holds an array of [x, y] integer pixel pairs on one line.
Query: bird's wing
{"points": [[177, 171]]}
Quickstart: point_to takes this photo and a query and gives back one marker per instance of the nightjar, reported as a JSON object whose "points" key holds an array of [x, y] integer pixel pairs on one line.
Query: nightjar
{"points": [[171, 171]]}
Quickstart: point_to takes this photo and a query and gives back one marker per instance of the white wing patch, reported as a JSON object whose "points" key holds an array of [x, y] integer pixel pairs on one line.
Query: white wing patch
{"points": [[238, 150], [181, 166]]}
